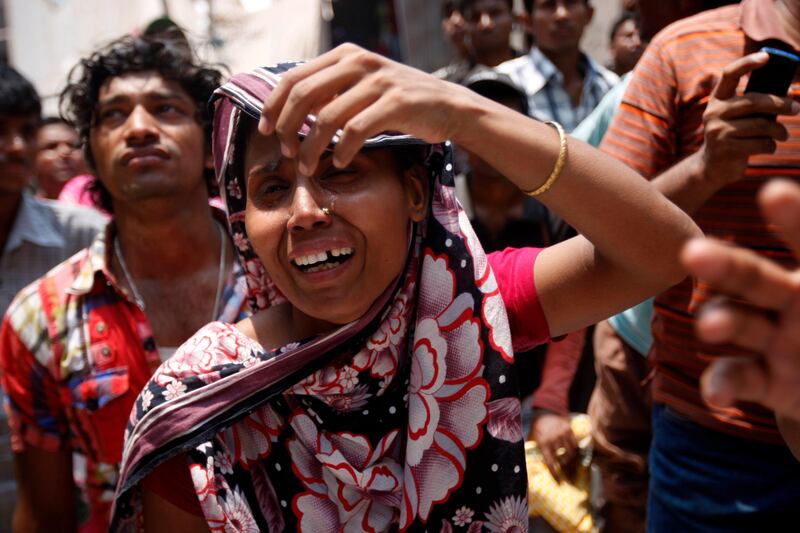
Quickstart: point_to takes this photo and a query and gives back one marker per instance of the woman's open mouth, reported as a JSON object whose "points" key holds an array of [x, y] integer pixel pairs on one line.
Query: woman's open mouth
{"points": [[322, 261]]}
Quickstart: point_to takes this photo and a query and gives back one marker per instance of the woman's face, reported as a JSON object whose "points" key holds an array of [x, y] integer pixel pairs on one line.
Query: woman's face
{"points": [[334, 241]]}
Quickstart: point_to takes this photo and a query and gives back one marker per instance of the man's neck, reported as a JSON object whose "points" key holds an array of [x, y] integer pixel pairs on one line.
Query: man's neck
{"points": [[9, 207], [789, 15], [492, 58], [567, 62], [161, 242]]}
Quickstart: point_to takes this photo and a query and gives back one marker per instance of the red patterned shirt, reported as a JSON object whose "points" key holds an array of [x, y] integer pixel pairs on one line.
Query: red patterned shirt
{"points": [[74, 355]]}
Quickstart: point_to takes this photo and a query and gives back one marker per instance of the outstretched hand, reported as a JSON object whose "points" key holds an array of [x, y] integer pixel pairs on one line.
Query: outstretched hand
{"points": [[362, 94], [761, 312]]}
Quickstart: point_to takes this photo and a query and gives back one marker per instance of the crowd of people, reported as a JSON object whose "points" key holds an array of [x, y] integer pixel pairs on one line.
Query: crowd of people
{"points": [[341, 294]]}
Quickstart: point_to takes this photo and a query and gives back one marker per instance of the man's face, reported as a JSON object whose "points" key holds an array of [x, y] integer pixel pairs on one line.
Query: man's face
{"points": [[557, 25], [146, 140], [17, 151], [59, 157], [626, 46], [488, 24], [454, 28]]}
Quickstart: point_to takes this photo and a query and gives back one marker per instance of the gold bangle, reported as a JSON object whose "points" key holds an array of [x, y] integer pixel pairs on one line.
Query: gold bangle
{"points": [[562, 159]]}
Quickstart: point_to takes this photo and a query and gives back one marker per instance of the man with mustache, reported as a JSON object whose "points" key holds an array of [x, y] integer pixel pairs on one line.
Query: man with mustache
{"points": [[78, 345]]}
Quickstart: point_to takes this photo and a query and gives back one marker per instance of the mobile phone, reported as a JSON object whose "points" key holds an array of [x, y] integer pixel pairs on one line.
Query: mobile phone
{"points": [[776, 76]]}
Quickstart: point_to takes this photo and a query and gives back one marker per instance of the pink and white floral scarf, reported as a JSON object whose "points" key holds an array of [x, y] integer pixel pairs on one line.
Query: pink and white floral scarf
{"points": [[405, 419]]}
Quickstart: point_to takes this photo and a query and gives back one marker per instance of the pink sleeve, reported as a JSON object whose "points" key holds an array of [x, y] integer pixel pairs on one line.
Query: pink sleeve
{"points": [[513, 270]]}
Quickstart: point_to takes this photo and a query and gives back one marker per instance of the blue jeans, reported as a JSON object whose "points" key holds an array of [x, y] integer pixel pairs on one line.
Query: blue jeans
{"points": [[703, 480]]}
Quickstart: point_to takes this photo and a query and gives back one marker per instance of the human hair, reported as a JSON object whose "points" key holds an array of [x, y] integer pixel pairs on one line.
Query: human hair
{"points": [[17, 95], [52, 119], [529, 5], [623, 18], [448, 7], [466, 5], [168, 57]]}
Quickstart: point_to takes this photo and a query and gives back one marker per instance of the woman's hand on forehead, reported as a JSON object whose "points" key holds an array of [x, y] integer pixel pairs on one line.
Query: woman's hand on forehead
{"points": [[362, 94]]}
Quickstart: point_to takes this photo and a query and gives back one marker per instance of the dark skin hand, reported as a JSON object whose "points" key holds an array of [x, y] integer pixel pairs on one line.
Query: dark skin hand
{"points": [[760, 312], [553, 433]]}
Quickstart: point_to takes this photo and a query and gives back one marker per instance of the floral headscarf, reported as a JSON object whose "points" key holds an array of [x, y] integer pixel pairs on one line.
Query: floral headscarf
{"points": [[406, 418]]}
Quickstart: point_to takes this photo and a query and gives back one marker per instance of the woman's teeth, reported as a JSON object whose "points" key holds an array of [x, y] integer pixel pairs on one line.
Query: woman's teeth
{"points": [[322, 260]]}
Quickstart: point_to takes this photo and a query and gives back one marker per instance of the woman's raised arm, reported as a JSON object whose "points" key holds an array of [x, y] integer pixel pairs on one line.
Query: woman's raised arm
{"points": [[630, 234]]}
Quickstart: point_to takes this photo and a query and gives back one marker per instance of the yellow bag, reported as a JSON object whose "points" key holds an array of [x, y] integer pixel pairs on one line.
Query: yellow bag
{"points": [[564, 506]]}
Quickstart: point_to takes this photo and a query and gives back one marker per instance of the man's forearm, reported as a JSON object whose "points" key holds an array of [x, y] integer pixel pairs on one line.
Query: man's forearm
{"points": [[689, 184]]}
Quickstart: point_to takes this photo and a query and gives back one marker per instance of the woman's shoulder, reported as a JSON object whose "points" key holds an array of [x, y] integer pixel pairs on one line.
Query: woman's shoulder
{"points": [[216, 344]]}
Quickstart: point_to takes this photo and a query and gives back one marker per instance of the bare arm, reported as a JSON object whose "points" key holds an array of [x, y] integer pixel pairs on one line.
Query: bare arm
{"points": [[631, 235], [45, 492]]}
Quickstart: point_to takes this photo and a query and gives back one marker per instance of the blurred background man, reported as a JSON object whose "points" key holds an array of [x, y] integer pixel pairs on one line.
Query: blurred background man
{"points": [[625, 43], [59, 157], [562, 83]]}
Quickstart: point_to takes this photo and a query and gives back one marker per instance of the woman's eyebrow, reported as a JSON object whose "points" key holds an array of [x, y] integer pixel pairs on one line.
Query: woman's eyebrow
{"points": [[268, 167]]}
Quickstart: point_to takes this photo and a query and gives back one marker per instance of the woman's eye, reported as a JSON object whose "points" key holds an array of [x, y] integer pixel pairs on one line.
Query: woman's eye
{"points": [[336, 175], [272, 190]]}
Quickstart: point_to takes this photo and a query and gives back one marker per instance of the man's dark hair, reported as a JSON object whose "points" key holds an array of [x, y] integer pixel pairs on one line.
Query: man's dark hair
{"points": [[167, 57], [17, 95], [448, 6], [51, 119], [466, 5], [529, 5], [623, 18]]}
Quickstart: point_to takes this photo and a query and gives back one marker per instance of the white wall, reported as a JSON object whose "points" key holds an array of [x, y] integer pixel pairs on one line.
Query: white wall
{"points": [[48, 37]]}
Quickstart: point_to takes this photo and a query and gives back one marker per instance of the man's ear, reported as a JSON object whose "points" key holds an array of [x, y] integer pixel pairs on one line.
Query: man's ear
{"points": [[208, 160], [417, 191], [590, 13]]}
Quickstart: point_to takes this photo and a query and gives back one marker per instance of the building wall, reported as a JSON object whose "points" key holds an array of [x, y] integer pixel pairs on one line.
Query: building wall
{"points": [[48, 37]]}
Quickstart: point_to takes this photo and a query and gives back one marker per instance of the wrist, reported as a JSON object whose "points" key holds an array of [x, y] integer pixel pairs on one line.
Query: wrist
{"points": [[710, 171], [467, 111]]}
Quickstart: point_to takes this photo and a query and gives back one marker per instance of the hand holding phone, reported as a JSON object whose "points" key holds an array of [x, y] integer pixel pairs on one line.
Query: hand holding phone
{"points": [[776, 76]]}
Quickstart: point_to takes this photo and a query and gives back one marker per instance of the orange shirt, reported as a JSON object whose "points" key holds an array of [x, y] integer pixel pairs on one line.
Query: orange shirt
{"points": [[659, 123]]}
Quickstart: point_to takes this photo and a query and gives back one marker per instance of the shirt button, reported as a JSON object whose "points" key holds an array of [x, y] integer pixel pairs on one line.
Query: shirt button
{"points": [[101, 327], [106, 351]]}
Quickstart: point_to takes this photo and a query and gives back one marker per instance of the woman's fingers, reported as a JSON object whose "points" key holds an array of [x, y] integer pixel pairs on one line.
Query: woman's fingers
{"points": [[333, 116], [275, 102], [369, 122], [740, 273], [308, 97]]}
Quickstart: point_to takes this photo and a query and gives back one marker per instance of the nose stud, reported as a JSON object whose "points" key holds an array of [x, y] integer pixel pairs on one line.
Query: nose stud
{"points": [[327, 211]]}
